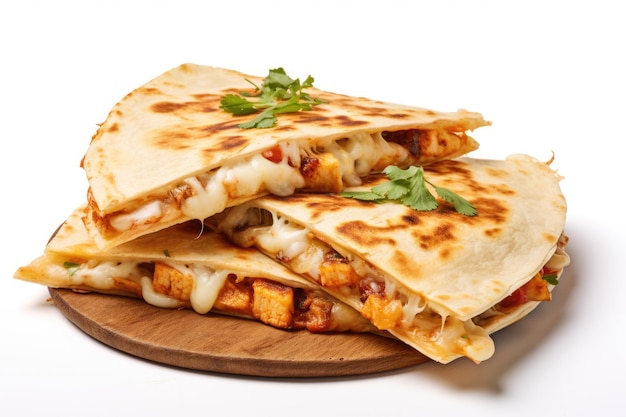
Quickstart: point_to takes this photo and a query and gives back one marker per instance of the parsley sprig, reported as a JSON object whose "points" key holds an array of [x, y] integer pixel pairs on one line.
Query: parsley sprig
{"points": [[408, 186], [278, 94]]}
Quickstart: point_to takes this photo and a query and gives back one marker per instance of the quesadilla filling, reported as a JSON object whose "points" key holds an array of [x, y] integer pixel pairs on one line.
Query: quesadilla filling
{"points": [[324, 166], [173, 285], [379, 298]]}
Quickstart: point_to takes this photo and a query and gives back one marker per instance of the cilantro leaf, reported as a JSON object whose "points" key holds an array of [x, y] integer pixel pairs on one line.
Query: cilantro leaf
{"points": [[551, 279], [409, 187], [278, 94], [460, 204], [393, 190], [419, 197], [363, 195], [395, 173], [264, 120], [235, 104]]}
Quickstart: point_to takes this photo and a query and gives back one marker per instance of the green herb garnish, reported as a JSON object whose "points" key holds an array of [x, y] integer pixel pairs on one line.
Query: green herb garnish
{"points": [[552, 279], [408, 186], [167, 253], [71, 267], [278, 94]]}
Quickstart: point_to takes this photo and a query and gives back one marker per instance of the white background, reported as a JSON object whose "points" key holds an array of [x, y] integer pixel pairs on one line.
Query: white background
{"points": [[549, 75]]}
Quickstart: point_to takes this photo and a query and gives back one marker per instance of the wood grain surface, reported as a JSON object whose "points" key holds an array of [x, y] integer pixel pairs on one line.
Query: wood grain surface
{"points": [[224, 344]]}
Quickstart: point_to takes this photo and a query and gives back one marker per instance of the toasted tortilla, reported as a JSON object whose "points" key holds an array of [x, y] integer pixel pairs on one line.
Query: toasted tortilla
{"points": [[438, 280], [168, 153], [187, 267]]}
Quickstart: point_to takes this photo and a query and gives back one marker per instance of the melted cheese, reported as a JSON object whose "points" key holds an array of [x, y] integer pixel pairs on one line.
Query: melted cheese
{"points": [[362, 153], [284, 238], [210, 192], [348, 319], [206, 287], [102, 274], [155, 298], [206, 199], [143, 214]]}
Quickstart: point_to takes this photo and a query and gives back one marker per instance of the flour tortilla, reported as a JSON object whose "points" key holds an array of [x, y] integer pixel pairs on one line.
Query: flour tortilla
{"points": [[457, 267], [171, 130]]}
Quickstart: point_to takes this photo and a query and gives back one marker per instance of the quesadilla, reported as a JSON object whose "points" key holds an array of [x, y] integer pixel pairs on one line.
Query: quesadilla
{"points": [[438, 280], [183, 267], [168, 152]]}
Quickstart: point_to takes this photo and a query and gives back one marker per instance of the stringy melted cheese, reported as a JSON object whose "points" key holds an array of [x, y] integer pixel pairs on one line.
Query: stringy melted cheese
{"points": [[303, 253], [102, 275], [254, 175]]}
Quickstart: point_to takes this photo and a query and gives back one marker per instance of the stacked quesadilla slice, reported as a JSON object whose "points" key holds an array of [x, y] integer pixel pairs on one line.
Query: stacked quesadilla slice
{"points": [[168, 152], [186, 267], [438, 280]]}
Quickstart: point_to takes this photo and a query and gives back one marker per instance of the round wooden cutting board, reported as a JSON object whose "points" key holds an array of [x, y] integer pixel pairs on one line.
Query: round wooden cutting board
{"points": [[224, 344]]}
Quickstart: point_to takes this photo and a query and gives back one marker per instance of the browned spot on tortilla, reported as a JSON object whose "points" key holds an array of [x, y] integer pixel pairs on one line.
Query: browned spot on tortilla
{"points": [[367, 235], [214, 128], [498, 173], [146, 91], [208, 104], [166, 107], [438, 236], [172, 139], [310, 117], [502, 189], [550, 237], [403, 263], [232, 142], [489, 210], [411, 219], [493, 232], [348, 122]]}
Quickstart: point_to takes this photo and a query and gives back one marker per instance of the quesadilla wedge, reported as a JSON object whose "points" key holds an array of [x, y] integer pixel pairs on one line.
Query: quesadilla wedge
{"points": [[438, 280], [168, 152], [181, 268]]}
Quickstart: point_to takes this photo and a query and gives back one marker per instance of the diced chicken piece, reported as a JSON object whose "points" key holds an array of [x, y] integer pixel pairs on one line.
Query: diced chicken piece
{"points": [[316, 314], [235, 296], [321, 173], [273, 303], [335, 271], [170, 281], [383, 313]]}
